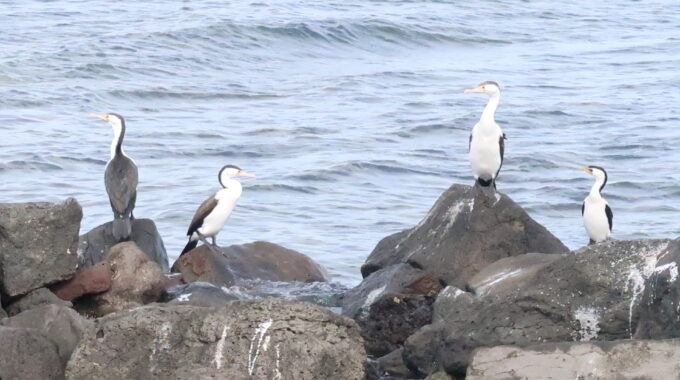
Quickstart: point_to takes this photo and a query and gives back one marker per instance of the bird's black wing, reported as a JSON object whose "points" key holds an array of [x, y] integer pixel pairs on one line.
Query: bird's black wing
{"points": [[203, 211], [610, 216], [583, 208], [120, 178], [501, 147], [470, 143]]}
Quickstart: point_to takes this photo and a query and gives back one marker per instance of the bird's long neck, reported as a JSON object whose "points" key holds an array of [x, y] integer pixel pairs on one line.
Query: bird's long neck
{"points": [[488, 116], [597, 187], [118, 135], [232, 187]]}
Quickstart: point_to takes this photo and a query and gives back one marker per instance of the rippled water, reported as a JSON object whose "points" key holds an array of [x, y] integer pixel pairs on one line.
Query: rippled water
{"points": [[351, 112]]}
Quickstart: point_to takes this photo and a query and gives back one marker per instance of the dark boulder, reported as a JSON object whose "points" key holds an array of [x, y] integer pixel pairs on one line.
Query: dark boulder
{"points": [[38, 243], [198, 294], [390, 305], [61, 325], [93, 245], [136, 281], [254, 261], [263, 339], [28, 355], [464, 232], [92, 279], [35, 298], [624, 359], [590, 294]]}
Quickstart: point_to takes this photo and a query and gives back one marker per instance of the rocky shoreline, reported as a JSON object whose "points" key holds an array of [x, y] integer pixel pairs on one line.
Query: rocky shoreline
{"points": [[476, 290]]}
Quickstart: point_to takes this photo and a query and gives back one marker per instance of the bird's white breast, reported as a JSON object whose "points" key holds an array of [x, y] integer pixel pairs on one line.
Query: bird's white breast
{"points": [[485, 154], [226, 201], [595, 218]]}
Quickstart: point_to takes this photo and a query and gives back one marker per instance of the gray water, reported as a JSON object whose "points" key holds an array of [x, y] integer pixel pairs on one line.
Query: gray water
{"points": [[351, 112]]}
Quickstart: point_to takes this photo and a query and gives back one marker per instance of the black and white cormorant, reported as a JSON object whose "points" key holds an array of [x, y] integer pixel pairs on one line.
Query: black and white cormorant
{"points": [[214, 211], [597, 215], [120, 179], [486, 146]]}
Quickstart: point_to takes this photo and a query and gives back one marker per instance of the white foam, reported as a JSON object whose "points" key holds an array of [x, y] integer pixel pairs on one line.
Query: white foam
{"points": [[220, 346], [254, 350], [277, 371], [589, 321], [184, 297], [372, 296], [673, 270]]}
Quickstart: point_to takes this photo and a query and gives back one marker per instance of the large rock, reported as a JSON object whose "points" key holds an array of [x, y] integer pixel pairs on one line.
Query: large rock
{"points": [[593, 293], [264, 339], [93, 245], [198, 294], [91, 279], [38, 243], [390, 305], [61, 325], [464, 232], [35, 298], [136, 281], [28, 355], [649, 360], [254, 261]]}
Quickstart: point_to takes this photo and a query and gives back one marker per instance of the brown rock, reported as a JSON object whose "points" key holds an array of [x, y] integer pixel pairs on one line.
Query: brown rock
{"points": [[88, 280], [202, 264], [135, 281]]}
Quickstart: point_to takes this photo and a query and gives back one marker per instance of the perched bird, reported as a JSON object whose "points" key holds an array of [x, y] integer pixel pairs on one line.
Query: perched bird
{"points": [[597, 215], [214, 211], [120, 179], [486, 145]]}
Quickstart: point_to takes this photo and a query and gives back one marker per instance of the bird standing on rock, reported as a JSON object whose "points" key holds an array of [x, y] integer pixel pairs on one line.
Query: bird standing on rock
{"points": [[598, 217], [214, 211], [487, 146], [120, 179]]}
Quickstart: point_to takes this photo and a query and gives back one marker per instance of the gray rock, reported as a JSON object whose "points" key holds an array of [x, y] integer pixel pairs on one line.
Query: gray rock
{"points": [[253, 261], [38, 244], [264, 339], [92, 246], [3, 314], [136, 281], [198, 294], [625, 359], [62, 326], [28, 355], [390, 305], [464, 232], [35, 298], [392, 364], [590, 294]]}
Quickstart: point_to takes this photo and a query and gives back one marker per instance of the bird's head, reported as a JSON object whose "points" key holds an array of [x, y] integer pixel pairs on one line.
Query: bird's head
{"points": [[116, 121], [230, 171], [598, 172], [489, 87]]}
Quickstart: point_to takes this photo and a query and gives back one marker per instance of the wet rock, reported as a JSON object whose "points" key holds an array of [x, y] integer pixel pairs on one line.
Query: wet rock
{"points": [[392, 364], [439, 376], [590, 294], [626, 359], [259, 260], [390, 305], [245, 339], [61, 325], [28, 355], [198, 294], [38, 244], [35, 298], [93, 245], [464, 232], [88, 280], [135, 281]]}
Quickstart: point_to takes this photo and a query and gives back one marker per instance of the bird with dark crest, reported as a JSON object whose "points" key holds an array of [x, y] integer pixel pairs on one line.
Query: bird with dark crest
{"points": [[598, 217], [486, 145], [120, 179], [213, 213]]}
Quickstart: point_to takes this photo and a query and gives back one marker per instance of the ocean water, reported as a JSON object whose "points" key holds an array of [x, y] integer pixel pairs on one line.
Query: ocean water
{"points": [[351, 113]]}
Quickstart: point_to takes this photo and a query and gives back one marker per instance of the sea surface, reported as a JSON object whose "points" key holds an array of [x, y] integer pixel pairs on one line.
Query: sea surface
{"points": [[351, 113]]}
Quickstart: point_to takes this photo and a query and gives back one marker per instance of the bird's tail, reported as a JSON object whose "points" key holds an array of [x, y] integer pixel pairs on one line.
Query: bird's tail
{"points": [[486, 182], [190, 245], [122, 228]]}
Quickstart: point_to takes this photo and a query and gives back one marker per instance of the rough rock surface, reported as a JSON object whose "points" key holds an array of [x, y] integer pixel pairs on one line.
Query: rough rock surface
{"points": [[38, 244], [392, 364], [649, 360], [88, 280], [464, 232], [593, 293], [135, 281], [93, 245], [198, 294], [35, 298], [61, 325], [390, 305], [28, 355], [264, 339], [254, 261]]}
